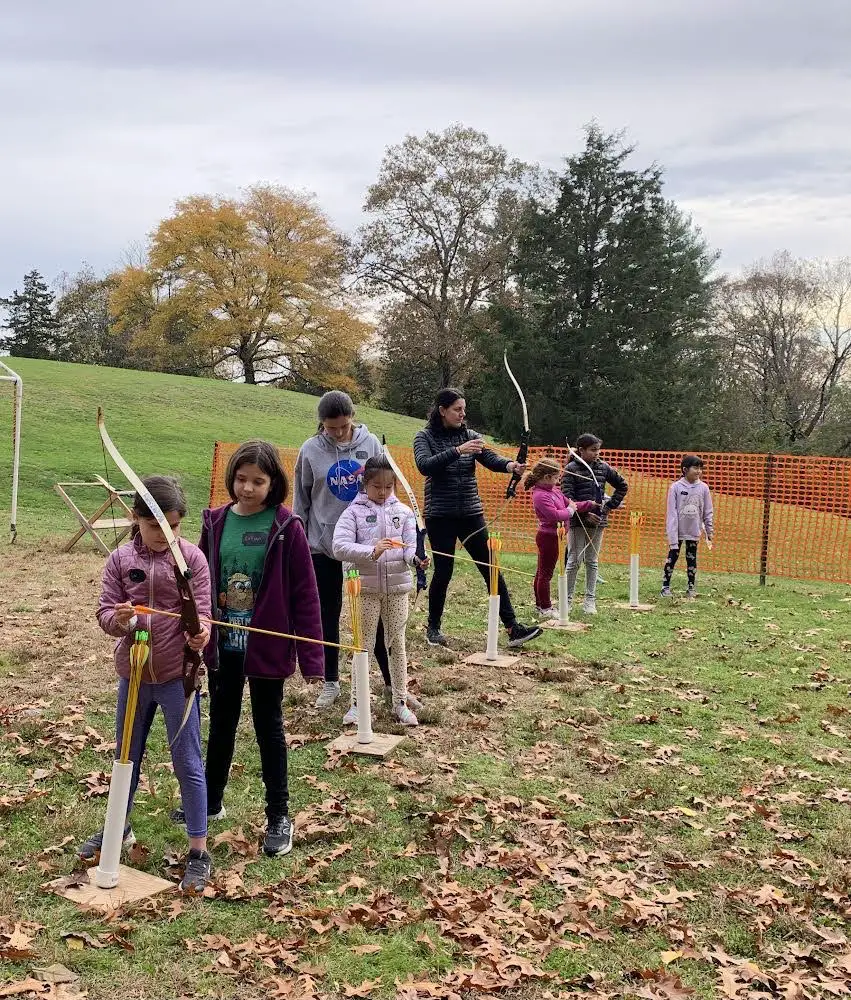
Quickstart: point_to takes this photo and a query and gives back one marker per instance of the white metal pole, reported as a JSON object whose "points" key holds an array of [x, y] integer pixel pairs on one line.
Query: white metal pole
{"points": [[16, 447], [360, 665], [563, 602], [493, 627], [633, 580], [106, 873]]}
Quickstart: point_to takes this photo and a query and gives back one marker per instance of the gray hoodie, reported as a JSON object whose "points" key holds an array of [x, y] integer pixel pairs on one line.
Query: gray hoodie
{"points": [[327, 479]]}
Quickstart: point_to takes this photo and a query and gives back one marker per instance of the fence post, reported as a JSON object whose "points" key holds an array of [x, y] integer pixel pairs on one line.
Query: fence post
{"points": [[766, 517]]}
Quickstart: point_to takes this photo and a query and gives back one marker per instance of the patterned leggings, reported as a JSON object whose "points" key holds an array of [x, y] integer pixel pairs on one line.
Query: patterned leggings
{"points": [[392, 610], [671, 561]]}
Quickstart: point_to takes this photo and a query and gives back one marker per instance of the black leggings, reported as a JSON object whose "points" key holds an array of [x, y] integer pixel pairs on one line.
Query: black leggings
{"points": [[443, 532], [226, 686], [671, 561], [329, 581]]}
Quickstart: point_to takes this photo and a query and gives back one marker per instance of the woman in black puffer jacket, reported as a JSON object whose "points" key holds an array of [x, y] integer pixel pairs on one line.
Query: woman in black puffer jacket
{"points": [[446, 452]]}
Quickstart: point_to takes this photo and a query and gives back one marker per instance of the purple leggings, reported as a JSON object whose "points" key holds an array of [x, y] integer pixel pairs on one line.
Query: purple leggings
{"points": [[185, 754]]}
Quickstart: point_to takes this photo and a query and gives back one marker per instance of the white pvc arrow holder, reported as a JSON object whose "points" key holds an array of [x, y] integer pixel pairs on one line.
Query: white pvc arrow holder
{"points": [[633, 580], [492, 653], [360, 666], [106, 873], [563, 601]]}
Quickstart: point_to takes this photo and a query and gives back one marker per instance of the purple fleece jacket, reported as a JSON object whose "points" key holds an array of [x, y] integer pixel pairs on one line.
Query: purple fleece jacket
{"points": [[287, 600]]}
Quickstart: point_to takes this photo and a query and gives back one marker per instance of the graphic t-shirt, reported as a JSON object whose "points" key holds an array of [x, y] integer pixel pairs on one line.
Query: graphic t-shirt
{"points": [[241, 555]]}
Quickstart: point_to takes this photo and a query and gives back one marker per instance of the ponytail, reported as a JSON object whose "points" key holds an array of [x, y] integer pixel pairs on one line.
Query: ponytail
{"points": [[544, 467]]}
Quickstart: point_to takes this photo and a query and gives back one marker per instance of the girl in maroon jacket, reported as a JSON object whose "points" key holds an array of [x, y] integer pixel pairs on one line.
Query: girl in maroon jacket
{"points": [[551, 509], [262, 575]]}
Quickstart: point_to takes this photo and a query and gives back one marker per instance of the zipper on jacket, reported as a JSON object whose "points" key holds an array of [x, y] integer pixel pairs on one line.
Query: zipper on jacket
{"points": [[151, 617]]}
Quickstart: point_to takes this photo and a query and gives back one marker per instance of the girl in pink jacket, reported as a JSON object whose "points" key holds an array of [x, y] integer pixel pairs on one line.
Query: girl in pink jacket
{"points": [[141, 572], [551, 508], [377, 535]]}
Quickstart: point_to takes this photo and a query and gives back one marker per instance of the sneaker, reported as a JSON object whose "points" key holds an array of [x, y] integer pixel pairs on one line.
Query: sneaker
{"points": [[351, 717], [199, 866], [519, 634], [329, 694], [547, 612], [90, 848], [589, 606], [279, 837], [405, 716], [413, 702], [434, 637], [178, 816], [666, 592], [691, 594]]}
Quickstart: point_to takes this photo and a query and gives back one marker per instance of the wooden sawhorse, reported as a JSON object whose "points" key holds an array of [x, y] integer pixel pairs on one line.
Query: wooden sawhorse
{"points": [[119, 526]]}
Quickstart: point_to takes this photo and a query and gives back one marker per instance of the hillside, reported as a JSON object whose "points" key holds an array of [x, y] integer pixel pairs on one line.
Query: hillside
{"points": [[160, 423]]}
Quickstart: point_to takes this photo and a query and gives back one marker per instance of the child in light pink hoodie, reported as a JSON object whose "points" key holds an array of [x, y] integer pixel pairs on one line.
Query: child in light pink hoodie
{"points": [[377, 535], [551, 508]]}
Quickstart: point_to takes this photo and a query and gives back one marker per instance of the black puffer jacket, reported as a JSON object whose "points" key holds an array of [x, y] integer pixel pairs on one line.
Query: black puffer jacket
{"points": [[451, 489], [578, 485]]}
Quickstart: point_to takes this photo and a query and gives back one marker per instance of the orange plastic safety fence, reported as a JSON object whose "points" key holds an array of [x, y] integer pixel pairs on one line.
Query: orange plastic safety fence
{"points": [[775, 515]]}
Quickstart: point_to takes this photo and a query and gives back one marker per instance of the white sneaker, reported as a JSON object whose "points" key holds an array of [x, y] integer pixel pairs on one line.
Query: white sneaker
{"points": [[589, 606], [413, 702], [547, 612], [329, 694], [405, 716], [351, 717]]}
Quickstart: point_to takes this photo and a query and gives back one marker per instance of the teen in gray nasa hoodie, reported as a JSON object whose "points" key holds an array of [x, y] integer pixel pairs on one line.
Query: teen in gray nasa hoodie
{"points": [[327, 479], [328, 473]]}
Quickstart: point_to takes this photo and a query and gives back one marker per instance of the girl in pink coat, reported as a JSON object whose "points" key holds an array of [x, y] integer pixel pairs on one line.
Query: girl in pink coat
{"points": [[377, 535], [551, 509]]}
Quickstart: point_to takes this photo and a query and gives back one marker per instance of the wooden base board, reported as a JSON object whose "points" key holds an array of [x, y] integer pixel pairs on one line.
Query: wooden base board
{"points": [[132, 886], [382, 744], [481, 660], [637, 607], [569, 627]]}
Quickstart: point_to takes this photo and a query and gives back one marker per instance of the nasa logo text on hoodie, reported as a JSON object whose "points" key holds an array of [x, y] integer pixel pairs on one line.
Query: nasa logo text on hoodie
{"points": [[343, 479]]}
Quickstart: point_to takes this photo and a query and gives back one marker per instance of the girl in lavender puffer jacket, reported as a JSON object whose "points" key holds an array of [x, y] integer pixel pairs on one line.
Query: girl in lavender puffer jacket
{"points": [[377, 535]]}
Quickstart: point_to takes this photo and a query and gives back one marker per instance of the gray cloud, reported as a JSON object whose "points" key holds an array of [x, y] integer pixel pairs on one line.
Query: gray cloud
{"points": [[111, 112]]}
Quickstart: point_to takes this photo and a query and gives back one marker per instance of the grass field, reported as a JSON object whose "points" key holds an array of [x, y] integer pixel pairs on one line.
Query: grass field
{"points": [[655, 808], [658, 807], [161, 423]]}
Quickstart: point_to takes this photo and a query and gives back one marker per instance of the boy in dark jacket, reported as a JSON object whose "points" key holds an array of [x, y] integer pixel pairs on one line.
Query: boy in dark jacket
{"points": [[586, 479]]}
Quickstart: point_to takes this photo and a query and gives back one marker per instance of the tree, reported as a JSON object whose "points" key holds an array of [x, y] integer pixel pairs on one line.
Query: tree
{"points": [[410, 375], [84, 321], [251, 288], [30, 322], [786, 325], [604, 323], [446, 209]]}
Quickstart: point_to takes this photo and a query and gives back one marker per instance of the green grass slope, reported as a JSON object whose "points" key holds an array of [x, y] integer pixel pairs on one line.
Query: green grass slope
{"points": [[161, 424]]}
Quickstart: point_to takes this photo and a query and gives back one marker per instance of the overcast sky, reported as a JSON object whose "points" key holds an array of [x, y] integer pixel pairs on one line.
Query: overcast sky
{"points": [[109, 111]]}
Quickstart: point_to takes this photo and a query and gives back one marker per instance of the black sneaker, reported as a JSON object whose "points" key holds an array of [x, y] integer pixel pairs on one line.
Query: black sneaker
{"points": [[434, 637], [279, 837], [91, 847], [199, 866], [519, 634], [178, 816]]}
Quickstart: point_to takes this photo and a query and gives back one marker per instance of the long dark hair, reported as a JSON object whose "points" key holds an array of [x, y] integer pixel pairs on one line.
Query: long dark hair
{"points": [[333, 404], [168, 494], [446, 397], [267, 458]]}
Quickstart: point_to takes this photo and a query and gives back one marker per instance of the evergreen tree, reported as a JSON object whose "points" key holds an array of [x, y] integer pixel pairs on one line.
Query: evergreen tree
{"points": [[605, 322], [30, 321]]}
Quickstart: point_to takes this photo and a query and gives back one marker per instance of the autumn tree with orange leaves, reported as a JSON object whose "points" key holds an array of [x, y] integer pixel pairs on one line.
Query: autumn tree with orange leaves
{"points": [[247, 288]]}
